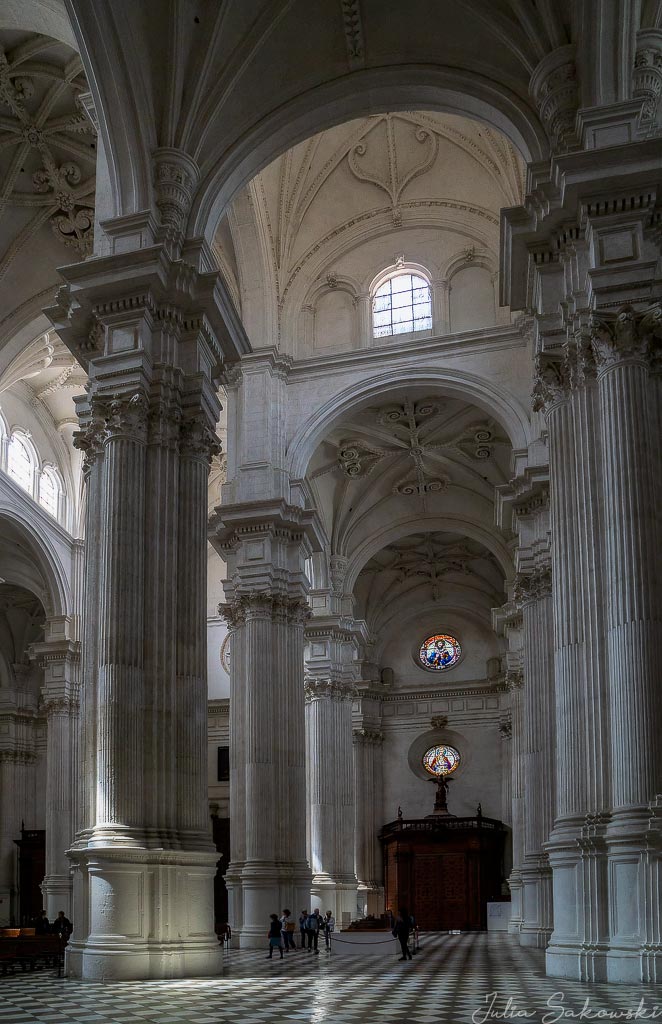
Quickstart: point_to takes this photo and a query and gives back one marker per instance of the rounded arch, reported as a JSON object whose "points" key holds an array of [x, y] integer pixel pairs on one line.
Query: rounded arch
{"points": [[505, 408], [415, 523], [56, 595], [359, 94]]}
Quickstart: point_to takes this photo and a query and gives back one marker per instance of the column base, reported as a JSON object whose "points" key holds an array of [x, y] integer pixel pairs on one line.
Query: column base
{"points": [[537, 914], [515, 886], [337, 894], [578, 858], [141, 914], [634, 845], [257, 889], [57, 890]]}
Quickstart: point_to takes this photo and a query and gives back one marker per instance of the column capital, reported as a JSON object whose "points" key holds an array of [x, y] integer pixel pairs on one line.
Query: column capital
{"points": [[535, 584], [247, 605], [627, 336], [368, 737], [328, 689], [551, 384], [514, 680]]}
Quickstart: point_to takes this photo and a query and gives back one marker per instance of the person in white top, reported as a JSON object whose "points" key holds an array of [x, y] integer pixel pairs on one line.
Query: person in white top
{"points": [[329, 926]]}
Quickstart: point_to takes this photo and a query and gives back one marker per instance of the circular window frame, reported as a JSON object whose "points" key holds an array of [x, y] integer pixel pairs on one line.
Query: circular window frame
{"points": [[438, 672], [442, 775]]}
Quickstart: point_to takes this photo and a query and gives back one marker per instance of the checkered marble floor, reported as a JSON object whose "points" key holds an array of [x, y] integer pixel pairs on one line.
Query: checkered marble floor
{"points": [[448, 982]]}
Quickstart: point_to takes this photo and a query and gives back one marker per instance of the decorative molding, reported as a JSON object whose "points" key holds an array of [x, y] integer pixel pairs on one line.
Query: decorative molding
{"points": [[50, 140], [368, 737], [391, 178], [439, 721], [262, 605], [550, 382], [176, 177], [353, 26], [647, 81], [534, 585]]}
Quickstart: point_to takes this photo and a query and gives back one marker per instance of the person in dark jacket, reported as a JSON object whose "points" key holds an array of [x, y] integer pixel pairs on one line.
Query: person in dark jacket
{"points": [[41, 924], [303, 917], [62, 925], [274, 935], [313, 925], [401, 932]]}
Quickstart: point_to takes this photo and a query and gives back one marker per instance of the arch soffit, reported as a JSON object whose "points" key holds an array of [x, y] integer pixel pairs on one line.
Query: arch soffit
{"points": [[359, 94], [47, 563], [416, 523], [45, 17], [499, 404], [458, 609]]}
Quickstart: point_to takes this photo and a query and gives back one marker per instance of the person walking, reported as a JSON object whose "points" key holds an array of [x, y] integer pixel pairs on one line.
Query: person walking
{"points": [[401, 932], [287, 926], [329, 926], [274, 936], [303, 917]]}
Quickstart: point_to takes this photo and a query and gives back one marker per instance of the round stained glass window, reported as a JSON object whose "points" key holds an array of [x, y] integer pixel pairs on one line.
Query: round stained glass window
{"points": [[440, 651], [441, 760]]}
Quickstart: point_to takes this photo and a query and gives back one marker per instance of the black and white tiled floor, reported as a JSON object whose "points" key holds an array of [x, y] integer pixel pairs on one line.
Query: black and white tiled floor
{"points": [[448, 982]]}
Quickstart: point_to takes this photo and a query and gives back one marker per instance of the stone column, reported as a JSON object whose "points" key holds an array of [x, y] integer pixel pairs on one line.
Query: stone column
{"points": [[59, 659], [576, 845], [330, 690], [506, 733], [624, 345], [151, 331], [514, 682], [266, 545], [368, 783], [533, 592]]}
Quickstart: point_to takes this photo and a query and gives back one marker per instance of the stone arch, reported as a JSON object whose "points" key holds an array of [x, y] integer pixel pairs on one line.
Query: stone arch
{"points": [[359, 94], [433, 523], [54, 592], [504, 408]]}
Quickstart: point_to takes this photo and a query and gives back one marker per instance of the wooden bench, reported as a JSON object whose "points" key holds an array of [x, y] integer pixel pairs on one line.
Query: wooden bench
{"points": [[32, 952]]}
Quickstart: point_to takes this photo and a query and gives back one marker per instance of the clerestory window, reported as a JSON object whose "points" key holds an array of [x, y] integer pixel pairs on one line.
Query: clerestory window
{"points": [[401, 305]]}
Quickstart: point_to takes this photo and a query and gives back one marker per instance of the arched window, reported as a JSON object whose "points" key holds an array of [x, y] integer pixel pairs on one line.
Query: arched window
{"points": [[21, 462], [50, 490], [402, 304]]}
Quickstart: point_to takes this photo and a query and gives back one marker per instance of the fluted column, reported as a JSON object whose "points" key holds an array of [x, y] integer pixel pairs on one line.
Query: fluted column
{"points": [[368, 782], [331, 793], [624, 345], [514, 681], [266, 546], [59, 700], [533, 593], [576, 845], [506, 733]]}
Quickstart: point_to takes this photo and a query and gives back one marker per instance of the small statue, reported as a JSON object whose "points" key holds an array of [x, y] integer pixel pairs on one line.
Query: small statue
{"points": [[399, 813], [479, 810]]}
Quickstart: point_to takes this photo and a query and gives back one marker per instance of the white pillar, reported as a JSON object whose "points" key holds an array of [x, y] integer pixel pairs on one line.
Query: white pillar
{"points": [[624, 345], [368, 784], [59, 700], [266, 547], [576, 849], [143, 854], [330, 779], [514, 682], [533, 592]]}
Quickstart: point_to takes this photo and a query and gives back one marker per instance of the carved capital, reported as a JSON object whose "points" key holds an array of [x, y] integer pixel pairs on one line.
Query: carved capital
{"points": [[328, 689], [89, 440], [246, 606], [18, 757], [61, 704], [123, 417], [627, 336], [198, 440], [368, 737], [514, 680], [506, 728], [337, 571], [176, 178], [554, 89], [535, 585], [550, 384], [647, 81]]}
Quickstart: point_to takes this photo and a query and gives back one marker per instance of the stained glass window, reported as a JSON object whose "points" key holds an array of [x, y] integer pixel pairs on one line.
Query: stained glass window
{"points": [[401, 305], [20, 464], [440, 651], [441, 760]]}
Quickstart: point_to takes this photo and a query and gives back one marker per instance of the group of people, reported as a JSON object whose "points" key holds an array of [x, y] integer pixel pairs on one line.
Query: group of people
{"points": [[61, 926], [283, 929]]}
